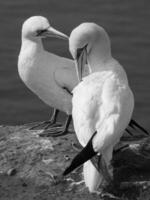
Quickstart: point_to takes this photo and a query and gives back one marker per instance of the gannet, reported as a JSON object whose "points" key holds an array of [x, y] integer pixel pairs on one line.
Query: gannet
{"points": [[49, 76], [102, 102]]}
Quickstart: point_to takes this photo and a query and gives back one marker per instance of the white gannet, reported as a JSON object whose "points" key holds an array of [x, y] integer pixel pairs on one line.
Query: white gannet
{"points": [[49, 76], [102, 102]]}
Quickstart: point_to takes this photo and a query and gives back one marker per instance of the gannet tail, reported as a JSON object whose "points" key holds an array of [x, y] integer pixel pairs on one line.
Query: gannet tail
{"points": [[92, 177], [134, 124]]}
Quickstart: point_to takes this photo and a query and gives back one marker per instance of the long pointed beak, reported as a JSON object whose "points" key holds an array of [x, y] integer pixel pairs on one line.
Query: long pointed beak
{"points": [[80, 64], [52, 32], [86, 154]]}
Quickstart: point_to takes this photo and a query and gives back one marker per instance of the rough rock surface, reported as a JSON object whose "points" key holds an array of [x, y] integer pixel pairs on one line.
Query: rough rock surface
{"points": [[28, 163]]}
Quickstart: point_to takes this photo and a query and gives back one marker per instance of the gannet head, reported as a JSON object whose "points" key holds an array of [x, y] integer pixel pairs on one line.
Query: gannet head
{"points": [[39, 27], [87, 42]]}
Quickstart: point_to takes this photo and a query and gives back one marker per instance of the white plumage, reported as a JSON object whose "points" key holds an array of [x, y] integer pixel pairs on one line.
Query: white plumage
{"points": [[44, 73], [49, 76], [103, 101]]}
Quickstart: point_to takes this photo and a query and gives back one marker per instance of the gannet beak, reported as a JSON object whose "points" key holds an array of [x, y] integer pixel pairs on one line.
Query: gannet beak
{"points": [[80, 63], [51, 32], [86, 154]]}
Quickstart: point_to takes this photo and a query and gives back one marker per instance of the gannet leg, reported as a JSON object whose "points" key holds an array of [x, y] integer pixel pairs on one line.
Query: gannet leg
{"points": [[49, 123], [57, 131]]}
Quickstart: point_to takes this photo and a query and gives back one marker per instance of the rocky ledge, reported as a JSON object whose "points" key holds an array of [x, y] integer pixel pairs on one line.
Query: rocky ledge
{"points": [[29, 162]]}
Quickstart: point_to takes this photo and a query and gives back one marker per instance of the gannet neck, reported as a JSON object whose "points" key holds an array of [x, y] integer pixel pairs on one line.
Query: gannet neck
{"points": [[34, 43], [100, 59], [99, 52]]}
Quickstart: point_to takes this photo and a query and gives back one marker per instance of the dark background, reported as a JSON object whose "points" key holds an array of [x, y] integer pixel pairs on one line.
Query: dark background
{"points": [[127, 23]]}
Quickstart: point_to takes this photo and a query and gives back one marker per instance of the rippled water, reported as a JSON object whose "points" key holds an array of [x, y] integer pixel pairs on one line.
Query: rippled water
{"points": [[127, 22]]}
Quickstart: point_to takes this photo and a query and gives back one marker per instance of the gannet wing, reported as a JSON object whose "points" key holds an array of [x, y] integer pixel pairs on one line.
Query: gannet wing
{"points": [[111, 102], [64, 85], [85, 154], [135, 130], [65, 77], [118, 104]]}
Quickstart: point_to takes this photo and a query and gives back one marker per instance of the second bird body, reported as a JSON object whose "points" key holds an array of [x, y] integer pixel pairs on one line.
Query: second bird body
{"points": [[46, 74], [49, 76]]}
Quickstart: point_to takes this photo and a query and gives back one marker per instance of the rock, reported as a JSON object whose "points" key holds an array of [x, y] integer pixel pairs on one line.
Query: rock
{"points": [[28, 164], [11, 172]]}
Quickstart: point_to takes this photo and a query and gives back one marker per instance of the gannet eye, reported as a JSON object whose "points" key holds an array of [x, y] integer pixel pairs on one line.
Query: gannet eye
{"points": [[40, 32]]}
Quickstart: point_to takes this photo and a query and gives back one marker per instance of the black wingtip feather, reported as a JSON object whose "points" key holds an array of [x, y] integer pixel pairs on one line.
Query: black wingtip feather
{"points": [[134, 123], [83, 156], [129, 132]]}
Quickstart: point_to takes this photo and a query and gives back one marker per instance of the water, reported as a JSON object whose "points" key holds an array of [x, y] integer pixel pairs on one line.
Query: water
{"points": [[128, 25]]}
